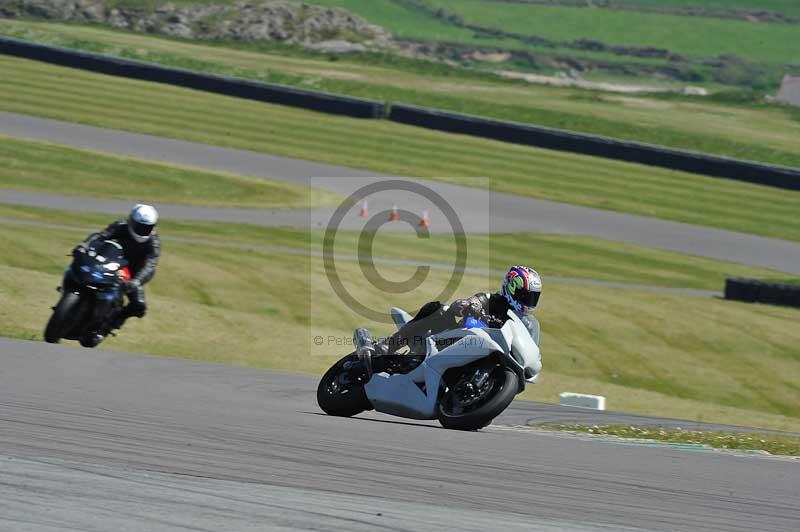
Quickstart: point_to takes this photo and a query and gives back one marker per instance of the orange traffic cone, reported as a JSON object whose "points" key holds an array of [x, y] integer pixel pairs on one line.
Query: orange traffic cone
{"points": [[424, 221], [364, 210], [394, 216]]}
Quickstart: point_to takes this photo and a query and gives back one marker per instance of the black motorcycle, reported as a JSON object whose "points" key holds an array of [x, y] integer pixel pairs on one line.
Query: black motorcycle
{"points": [[92, 295]]}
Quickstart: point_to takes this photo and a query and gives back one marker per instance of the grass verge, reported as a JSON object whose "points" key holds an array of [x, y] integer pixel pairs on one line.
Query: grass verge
{"points": [[44, 167], [771, 443], [556, 256], [396, 149]]}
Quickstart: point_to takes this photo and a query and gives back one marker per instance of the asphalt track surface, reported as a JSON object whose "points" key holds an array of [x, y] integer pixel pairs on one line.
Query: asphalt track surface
{"points": [[477, 210], [95, 440]]}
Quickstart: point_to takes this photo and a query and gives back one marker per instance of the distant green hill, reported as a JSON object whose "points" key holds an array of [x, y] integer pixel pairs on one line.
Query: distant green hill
{"points": [[740, 42], [719, 44]]}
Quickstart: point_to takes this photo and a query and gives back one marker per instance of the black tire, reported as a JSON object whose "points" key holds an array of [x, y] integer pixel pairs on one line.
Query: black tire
{"points": [[89, 342], [337, 400], [505, 387], [64, 318]]}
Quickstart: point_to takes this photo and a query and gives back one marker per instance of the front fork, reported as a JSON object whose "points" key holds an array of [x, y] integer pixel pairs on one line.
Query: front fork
{"points": [[107, 306], [68, 283], [104, 308]]}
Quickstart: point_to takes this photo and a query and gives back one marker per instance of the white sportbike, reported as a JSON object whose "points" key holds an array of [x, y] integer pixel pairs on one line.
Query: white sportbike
{"points": [[466, 377]]}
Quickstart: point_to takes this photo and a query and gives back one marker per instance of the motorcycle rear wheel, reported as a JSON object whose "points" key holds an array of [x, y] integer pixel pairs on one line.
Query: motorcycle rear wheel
{"points": [[336, 398], [64, 318], [503, 387]]}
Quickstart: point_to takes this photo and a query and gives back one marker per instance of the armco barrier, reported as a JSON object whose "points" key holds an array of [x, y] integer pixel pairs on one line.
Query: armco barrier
{"points": [[755, 291], [556, 139], [252, 90]]}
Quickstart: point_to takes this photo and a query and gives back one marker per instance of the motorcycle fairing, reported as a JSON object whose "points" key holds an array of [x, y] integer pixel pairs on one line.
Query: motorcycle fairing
{"points": [[94, 274], [399, 395], [400, 316], [473, 344], [402, 395], [524, 351]]}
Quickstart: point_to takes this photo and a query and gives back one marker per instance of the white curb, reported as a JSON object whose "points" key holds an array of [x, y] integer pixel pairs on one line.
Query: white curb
{"points": [[596, 402]]}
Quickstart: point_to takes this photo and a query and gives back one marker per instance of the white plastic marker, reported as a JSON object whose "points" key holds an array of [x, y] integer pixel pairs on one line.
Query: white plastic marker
{"points": [[581, 400]]}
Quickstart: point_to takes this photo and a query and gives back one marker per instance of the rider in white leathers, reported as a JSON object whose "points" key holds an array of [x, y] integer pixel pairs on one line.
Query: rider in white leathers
{"points": [[522, 287]]}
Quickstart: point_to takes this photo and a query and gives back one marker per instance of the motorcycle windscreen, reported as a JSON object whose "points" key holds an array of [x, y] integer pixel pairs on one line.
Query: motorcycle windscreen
{"points": [[99, 264]]}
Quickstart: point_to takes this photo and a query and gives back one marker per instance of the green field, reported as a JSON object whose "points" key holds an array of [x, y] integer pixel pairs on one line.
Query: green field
{"points": [[786, 7], [741, 48], [26, 165], [557, 256], [747, 54], [625, 25], [382, 146], [747, 131], [689, 36]]}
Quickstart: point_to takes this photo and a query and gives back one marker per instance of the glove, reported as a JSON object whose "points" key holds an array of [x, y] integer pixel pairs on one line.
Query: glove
{"points": [[464, 307], [131, 286], [457, 309], [491, 321]]}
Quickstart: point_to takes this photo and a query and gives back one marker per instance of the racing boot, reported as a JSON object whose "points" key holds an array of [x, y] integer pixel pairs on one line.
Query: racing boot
{"points": [[372, 357], [364, 350], [128, 311], [119, 321]]}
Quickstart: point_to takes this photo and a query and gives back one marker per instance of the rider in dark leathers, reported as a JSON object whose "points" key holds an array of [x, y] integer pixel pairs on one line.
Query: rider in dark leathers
{"points": [[139, 239]]}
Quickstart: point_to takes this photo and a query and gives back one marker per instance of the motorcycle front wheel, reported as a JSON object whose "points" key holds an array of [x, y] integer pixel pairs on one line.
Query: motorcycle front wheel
{"points": [[476, 397], [64, 318], [341, 389]]}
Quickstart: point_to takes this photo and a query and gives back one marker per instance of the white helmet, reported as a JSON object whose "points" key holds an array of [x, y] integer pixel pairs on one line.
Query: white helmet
{"points": [[141, 222]]}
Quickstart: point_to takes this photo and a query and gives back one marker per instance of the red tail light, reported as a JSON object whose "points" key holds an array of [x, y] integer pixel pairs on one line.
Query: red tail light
{"points": [[125, 273]]}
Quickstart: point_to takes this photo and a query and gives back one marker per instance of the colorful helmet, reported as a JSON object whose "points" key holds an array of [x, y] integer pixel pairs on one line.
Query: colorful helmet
{"points": [[141, 222], [522, 288]]}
